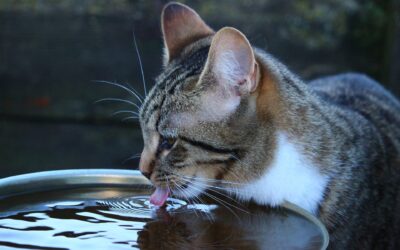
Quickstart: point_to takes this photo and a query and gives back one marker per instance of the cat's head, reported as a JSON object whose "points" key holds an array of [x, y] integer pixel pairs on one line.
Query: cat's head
{"points": [[199, 121]]}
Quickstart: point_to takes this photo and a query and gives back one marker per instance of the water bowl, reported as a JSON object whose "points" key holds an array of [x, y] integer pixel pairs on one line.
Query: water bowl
{"points": [[110, 209]]}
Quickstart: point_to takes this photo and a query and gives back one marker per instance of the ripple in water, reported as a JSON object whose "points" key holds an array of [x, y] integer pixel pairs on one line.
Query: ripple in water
{"points": [[134, 223], [141, 206]]}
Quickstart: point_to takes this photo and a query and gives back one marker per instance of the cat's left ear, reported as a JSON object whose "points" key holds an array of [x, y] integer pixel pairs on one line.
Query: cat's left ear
{"points": [[231, 62], [181, 26]]}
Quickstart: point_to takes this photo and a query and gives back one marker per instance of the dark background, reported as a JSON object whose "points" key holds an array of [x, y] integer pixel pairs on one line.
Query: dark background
{"points": [[50, 51]]}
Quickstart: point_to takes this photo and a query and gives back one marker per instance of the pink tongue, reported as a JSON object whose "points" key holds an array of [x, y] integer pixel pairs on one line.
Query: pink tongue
{"points": [[159, 196]]}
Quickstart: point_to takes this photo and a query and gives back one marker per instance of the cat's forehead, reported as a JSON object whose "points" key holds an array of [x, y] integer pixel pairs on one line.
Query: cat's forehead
{"points": [[189, 64], [170, 82], [192, 57]]}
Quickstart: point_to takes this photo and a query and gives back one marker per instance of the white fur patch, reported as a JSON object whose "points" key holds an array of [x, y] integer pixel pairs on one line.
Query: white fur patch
{"points": [[291, 177]]}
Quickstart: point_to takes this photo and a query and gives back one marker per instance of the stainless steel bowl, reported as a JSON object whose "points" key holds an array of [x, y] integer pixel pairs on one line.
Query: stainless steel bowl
{"points": [[101, 178]]}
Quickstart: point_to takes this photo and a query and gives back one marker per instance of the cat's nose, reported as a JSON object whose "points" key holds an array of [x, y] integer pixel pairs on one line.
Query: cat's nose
{"points": [[146, 164]]}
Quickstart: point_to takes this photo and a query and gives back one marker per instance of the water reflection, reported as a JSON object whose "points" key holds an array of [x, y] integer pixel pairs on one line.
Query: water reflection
{"points": [[134, 223]]}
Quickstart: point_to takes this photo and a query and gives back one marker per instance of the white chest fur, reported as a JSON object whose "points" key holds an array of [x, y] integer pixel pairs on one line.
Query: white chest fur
{"points": [[291, 177]]}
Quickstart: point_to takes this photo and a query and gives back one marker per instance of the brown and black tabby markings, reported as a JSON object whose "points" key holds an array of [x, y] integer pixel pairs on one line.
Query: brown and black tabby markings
{"points": [[204, 118]]}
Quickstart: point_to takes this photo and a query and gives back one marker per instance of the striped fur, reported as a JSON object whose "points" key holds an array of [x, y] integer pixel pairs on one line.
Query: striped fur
{"points": [[345, 127]]}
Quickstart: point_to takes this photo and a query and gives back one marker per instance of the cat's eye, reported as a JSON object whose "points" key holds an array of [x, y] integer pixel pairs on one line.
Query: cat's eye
{"points": [[166, 143]]}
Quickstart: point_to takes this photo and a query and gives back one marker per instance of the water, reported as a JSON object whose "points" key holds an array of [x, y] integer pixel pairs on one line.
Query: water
{"points": [[124, 219]]}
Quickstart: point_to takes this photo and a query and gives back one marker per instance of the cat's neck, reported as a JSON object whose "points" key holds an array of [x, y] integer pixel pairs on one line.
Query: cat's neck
{"points": [[298, 112], [290, 177], [297, 170]]}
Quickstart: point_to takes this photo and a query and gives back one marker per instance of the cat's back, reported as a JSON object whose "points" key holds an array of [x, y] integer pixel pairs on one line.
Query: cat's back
{"points": [[350, 88], [358, 97], [361, 94]]}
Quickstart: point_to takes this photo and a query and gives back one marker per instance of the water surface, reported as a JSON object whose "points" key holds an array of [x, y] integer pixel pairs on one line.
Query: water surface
{"points": [[122, 218]]}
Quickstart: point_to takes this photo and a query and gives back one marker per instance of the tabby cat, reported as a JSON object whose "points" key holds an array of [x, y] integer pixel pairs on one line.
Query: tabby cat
{"points": [[225, 114]]}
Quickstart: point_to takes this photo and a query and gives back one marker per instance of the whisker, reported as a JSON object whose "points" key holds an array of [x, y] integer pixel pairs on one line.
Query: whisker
{"points": [[212, 180], [117, 100], [195, 199], [215, 181], [209, 217], [129, 118], [132, 157], [121, 86], [208, 185], [241, 209], [212, 188], [224, 203], [220, 201], [134, 90], [184, 192], [168, 185], [240, 161], [140, 63], [213, 197], [125, 111]]}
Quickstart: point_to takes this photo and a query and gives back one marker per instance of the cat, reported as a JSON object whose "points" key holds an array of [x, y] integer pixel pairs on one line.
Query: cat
{"points": [[225, 114]]}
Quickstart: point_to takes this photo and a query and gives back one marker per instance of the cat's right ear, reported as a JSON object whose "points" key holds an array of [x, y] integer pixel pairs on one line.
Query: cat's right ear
{"points": [[231, 73], [231, 61], [181, 26]]}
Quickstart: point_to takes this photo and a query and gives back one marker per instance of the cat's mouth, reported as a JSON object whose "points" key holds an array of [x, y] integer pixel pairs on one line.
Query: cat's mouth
{"points": [[191, 188], [160, 196]]}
